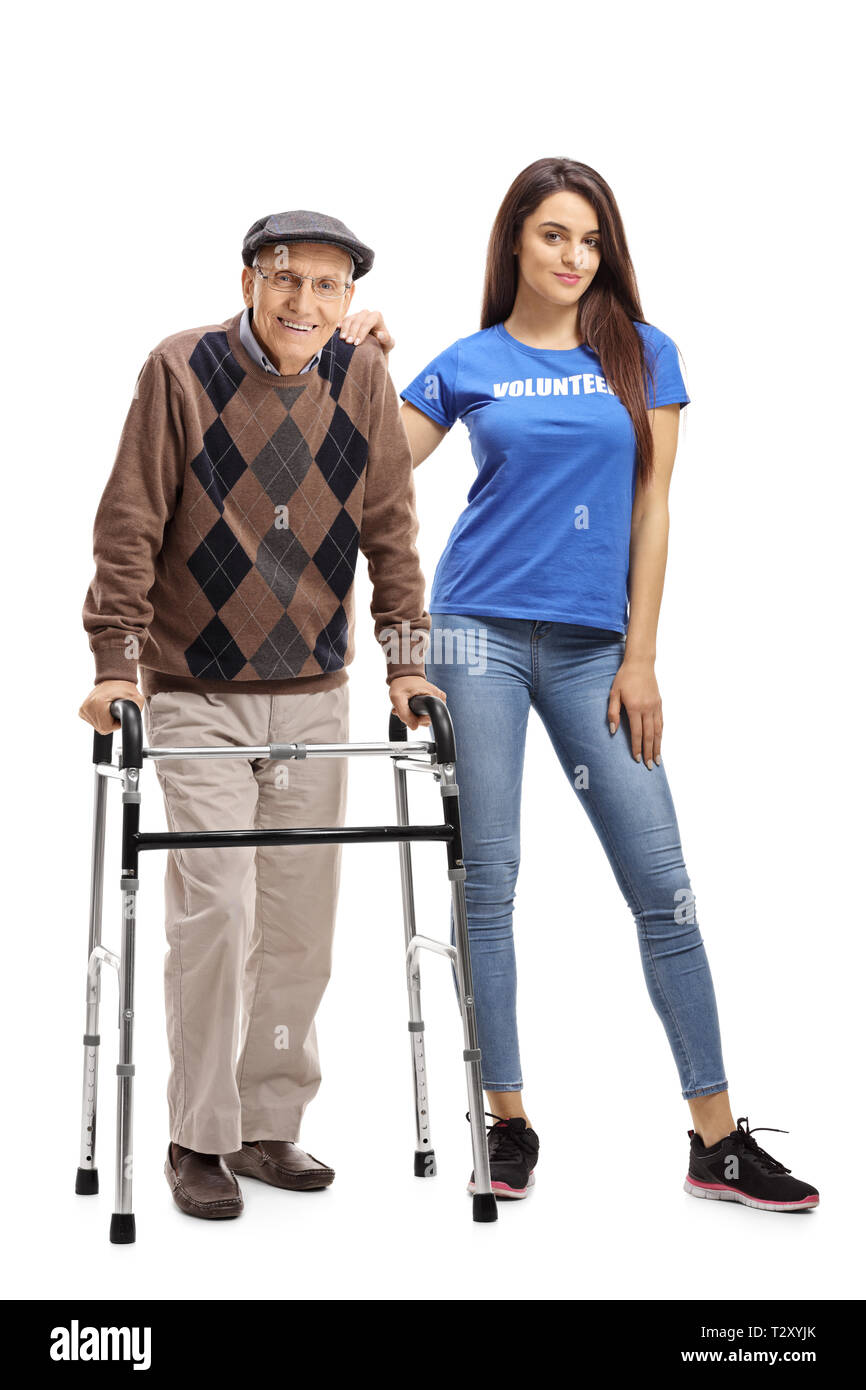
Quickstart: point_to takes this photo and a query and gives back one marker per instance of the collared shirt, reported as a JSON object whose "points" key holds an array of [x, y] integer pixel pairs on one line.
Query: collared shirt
{"points": [[255, 351]]}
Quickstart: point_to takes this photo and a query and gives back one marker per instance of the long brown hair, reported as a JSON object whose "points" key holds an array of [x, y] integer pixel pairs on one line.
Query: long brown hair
{"points": [[608, 309]]}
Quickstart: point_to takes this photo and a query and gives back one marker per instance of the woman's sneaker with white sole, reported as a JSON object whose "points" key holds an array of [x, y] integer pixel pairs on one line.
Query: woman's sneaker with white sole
{"points": [[513, 1151], [737, 1169]]}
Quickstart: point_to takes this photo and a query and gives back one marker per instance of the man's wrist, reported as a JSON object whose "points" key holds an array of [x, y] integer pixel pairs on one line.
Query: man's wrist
{"points": [[417, 672]]}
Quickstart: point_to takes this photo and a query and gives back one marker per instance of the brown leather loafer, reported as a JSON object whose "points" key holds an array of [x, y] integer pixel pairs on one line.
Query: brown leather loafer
{"points": [[280, 1163], [202, 1185]]}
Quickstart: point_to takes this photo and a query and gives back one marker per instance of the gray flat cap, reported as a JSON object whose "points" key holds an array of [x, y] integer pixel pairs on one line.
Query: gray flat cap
{"points": [[306, 226]]}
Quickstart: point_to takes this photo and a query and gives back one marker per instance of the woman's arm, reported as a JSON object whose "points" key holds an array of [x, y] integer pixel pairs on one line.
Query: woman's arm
{"points": [[424, 433], [635, 685]]}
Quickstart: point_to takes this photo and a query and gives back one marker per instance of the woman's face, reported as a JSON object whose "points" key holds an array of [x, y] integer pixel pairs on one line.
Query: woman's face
{"points": [[559, 250]]}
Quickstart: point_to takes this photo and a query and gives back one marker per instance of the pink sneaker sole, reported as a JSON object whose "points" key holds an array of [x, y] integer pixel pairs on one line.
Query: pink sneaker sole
{"points": [[720, 1193], [502, 1190]]}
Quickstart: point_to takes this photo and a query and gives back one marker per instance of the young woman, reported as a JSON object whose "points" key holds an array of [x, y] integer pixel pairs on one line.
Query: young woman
{"points": [[547, 595]]}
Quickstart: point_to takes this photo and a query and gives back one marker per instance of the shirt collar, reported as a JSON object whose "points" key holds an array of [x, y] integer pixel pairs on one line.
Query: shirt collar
{"points": [[252, 347]]}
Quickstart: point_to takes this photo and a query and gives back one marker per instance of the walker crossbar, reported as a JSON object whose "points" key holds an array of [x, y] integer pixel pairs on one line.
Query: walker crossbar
{"points": [[281, 751], [225, 839], [437, 757]]}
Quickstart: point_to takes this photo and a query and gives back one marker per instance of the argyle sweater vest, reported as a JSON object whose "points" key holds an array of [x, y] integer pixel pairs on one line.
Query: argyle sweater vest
{"points": [[227, 535]]}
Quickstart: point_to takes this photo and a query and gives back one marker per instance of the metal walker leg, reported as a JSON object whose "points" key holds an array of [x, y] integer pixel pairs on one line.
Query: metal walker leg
{"points": [[483, 1199], [87, 1177], [425, 1157], [122, 1230], [122, 1220]]}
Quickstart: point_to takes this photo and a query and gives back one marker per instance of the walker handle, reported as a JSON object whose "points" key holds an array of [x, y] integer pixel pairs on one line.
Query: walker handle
{"points": [[132, 741], [102, 744], [440, 724]]}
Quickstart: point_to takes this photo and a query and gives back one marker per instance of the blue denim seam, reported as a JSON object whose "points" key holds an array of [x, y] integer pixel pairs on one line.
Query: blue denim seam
{"points": [[636, 899], [694, 1093], [659, 985], [486, 1085]]}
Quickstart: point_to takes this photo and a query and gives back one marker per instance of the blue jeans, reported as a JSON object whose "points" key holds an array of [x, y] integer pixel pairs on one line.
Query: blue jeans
{"points": [[492, 670]]}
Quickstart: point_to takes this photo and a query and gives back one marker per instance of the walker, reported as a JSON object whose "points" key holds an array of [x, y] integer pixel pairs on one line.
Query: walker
{"points": [[437, 757]]}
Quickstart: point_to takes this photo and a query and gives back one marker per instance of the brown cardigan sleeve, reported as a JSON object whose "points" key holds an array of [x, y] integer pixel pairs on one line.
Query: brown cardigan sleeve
{"points": [[138, 501], [389, 527]]}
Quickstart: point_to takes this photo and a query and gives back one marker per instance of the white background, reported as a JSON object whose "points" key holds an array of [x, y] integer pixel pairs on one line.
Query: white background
{"points": [[144, 141]]}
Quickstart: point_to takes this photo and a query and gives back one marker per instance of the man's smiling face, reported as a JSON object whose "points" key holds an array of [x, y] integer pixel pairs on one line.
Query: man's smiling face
{"points": [[292, 325]]}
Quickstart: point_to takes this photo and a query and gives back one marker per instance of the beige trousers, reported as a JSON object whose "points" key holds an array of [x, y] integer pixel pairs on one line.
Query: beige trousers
{"points": [[250, 930]]}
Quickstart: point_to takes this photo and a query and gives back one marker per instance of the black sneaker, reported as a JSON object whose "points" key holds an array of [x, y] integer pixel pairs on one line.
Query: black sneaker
{"points": [[737, 1169], [513, 1150]]}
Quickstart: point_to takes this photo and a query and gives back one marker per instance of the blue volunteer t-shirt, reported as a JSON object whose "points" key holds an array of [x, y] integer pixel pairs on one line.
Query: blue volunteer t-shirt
{"points": [[545, 532]]}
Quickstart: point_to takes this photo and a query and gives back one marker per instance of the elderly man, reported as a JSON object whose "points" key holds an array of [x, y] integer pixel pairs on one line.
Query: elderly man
{"points": [[258, 456]]}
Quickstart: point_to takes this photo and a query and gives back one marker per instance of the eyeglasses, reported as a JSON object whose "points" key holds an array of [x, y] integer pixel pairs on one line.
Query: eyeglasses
{"points": [[285, 281]]}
